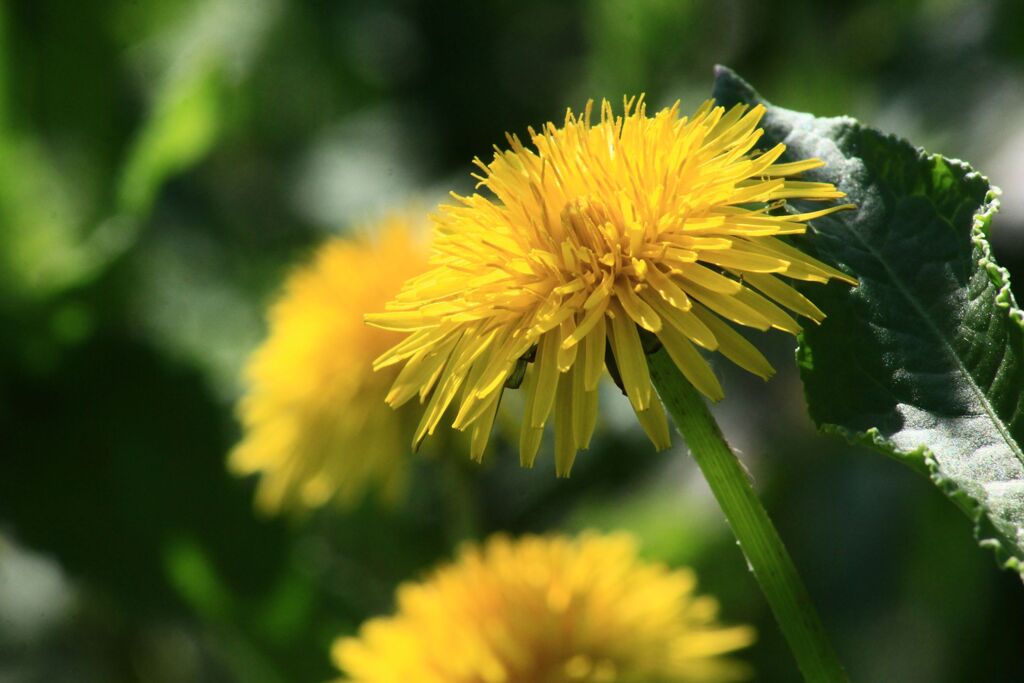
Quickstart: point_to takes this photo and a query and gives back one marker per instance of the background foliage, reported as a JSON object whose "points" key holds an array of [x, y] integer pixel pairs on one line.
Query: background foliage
{"points": [[163, 163]]}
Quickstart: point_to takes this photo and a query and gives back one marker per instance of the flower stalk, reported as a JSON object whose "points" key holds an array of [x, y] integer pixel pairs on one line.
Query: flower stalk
{"points": [[760, 542]]}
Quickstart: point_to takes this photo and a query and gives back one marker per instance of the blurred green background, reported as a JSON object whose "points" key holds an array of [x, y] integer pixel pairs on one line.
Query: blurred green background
{"points": [[163, 163]]}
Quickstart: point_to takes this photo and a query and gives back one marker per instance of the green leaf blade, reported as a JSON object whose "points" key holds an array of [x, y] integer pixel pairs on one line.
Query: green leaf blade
{"points": [[924, 360]]}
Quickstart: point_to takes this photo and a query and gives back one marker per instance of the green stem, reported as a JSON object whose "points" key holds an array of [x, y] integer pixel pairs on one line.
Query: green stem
{"points": [[760, 542]]}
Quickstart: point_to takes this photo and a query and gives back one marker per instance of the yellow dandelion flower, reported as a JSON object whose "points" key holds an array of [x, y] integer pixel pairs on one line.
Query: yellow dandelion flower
{"points": [[548, 610], [668, 225], [312, 426]]}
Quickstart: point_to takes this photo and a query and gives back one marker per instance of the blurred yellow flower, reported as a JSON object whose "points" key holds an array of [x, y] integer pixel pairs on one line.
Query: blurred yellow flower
{"points": [[548, 610], [313, 426], [661, 224]]}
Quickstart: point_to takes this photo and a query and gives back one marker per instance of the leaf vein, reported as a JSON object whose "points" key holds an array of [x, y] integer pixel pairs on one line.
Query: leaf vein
{"points": [[929, 324]]}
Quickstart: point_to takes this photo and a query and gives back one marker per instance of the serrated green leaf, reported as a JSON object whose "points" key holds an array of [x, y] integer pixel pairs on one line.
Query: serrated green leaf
{"points": [[924, 360]]}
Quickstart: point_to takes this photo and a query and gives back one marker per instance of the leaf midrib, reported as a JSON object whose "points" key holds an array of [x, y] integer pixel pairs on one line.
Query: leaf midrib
{"points": [[930, 325]]}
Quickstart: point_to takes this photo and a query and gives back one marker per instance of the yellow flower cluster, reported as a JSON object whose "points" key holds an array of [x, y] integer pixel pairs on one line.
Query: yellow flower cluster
{"points": [[312, 417], [599, 235], [548, 610]]}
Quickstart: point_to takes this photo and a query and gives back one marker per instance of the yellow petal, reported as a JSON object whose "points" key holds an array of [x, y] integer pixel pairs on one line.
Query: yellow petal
{"points": [[584, 411], [565, 434], [802, 266], [669, 290], [734, 346], [708, 279], [547, 378], [691, 364], [642, 314], [590, 319], [482, 428], [655, 425], [594, 350], [529, 436], [729, 307], [746, 261], [687, 323], [779, 319], [786, 295], [630, 359]]}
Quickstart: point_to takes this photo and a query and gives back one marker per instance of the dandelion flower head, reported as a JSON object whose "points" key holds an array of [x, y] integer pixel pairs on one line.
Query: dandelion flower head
{"points": [[599, 237], [310, 415], [548, 610]]}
